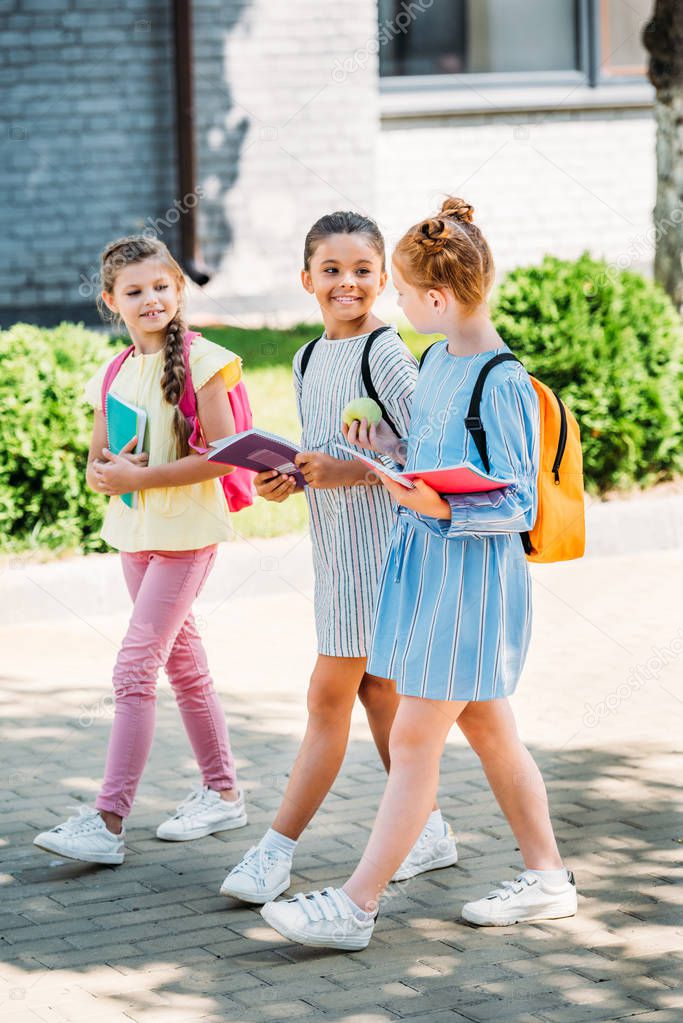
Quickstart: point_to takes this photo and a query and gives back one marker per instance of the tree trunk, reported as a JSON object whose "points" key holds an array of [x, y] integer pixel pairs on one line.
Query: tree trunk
{"points": [[663, 37]]}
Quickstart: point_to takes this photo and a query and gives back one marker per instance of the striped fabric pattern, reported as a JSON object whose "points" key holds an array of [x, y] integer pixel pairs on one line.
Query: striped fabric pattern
{"points": [[453, 617], [350, 526]]}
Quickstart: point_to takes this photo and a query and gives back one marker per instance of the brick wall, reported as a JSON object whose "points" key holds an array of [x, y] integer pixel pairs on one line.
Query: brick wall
{"points": [[87, 141], [295, 138], [288, 128], [555, 184]]}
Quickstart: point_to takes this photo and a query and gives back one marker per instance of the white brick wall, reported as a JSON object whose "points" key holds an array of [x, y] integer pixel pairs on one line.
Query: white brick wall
{"points": [[306, 146], [558, 186]]}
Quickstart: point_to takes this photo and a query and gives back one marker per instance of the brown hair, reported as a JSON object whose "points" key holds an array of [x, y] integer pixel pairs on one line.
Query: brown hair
{"points": [[343, 222], [136, 248], [448, 251]]}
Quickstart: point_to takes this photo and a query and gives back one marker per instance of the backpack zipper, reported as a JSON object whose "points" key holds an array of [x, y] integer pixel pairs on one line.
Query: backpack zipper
{"points": [[562, 443]]}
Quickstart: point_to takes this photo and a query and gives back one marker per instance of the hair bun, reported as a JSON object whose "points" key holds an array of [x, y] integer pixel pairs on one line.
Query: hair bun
{"points": [[434, 235], [458, 209]]}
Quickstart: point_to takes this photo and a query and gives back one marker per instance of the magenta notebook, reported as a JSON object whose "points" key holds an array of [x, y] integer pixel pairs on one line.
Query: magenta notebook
{"points": [[259, 451], [453, 479]]}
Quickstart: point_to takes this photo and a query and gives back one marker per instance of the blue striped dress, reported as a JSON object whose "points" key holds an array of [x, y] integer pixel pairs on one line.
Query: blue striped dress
{"points": [[453, 615], [350, 526]]}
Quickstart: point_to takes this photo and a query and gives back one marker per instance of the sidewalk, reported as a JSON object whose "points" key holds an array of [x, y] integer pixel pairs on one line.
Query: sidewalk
{"points": [[600, 706]]}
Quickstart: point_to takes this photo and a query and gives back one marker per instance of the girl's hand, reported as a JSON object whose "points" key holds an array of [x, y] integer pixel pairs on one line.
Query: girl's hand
{"points": [[424, 499], [141, 459], [380, 438], [322, 472], [274, 485], [116, 474]]}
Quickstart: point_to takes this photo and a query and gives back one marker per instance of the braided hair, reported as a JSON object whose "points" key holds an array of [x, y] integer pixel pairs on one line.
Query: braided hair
{"points": [[135, 249]]}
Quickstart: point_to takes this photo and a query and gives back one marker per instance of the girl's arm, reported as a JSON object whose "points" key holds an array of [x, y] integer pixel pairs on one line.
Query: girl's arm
{"points": [[510, 415], [97, 444], [324, 472], [118, 476]]}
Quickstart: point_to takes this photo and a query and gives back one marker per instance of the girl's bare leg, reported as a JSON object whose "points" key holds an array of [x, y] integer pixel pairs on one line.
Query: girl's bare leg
{"points": [[415, 747], [331, 695], [515, 780], [380, 699]]}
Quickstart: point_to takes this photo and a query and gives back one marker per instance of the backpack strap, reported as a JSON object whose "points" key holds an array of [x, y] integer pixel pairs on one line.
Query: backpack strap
{"points": [[367, 378], [424, 354], [308, 352], [473, 423], [111, 371], [365, 371]]}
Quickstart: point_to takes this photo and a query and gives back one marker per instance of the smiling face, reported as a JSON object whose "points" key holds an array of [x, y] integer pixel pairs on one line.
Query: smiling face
{"points": [[146, 296], [346, 276]]}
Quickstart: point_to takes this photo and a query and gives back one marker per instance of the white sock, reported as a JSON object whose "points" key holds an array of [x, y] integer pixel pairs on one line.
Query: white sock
{"points": [[276, 842], [355, 908], [552, 878], [435, 823]]}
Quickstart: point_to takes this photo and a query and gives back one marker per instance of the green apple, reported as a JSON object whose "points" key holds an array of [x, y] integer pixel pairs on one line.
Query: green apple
{"points": [[362, 408]]}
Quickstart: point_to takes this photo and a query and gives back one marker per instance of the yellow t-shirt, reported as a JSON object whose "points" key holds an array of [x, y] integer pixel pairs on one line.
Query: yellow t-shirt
{"points": [[166, 518]]}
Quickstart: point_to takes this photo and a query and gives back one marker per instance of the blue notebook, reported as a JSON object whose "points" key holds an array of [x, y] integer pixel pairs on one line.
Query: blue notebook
{"points": [[125, 421]]}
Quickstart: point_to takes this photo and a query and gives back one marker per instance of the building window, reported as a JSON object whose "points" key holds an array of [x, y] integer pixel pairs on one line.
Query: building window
{"points": [[621, 36], [588, 39]]}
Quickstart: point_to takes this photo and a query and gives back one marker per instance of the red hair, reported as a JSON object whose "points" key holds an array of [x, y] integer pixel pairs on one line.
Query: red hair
{"points": [[448, 251]]}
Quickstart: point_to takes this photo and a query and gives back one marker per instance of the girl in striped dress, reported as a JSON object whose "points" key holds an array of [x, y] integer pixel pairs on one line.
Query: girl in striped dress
{"points": [[351, 518], [453, 614]]}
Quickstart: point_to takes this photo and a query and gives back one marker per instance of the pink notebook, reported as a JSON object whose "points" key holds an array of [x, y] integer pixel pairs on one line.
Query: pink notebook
{"points": [[453, 479]]}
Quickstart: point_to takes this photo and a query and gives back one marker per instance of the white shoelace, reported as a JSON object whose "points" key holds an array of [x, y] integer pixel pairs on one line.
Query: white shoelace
{"points": [[256, 863], [507, 889], [328, 904], [86, 819], [194, 803]]}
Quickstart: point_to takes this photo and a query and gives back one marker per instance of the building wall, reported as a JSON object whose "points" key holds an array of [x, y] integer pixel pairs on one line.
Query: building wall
{"points": [[557, 185], [288, 128], [87, 142], [300, 133]]}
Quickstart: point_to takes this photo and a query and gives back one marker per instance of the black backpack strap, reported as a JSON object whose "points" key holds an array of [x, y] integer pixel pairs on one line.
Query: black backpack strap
{"points": [[424, 354], [367, 378], [473, 423], [308, 352]]}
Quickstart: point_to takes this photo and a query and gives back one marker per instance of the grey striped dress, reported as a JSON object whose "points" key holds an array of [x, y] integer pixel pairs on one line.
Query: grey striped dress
{"points": [[350, 526]]}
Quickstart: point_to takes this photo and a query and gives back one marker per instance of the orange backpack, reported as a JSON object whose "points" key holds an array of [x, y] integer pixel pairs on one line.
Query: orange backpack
{"points": [[559, 532]]}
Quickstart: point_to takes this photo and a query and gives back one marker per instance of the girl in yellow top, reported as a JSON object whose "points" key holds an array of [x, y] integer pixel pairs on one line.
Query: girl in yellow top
{"points": [[168, 546]]}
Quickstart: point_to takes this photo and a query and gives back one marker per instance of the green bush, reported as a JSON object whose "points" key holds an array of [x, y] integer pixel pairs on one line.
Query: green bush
{"points": [[610, 343], [45, 431]]}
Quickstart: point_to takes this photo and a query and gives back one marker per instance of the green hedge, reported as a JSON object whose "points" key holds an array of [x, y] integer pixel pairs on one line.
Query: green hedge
{"points": [[45, 430], [610, 342]]}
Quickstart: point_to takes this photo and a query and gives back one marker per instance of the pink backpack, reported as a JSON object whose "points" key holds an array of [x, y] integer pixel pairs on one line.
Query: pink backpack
{"points": [[237, 485]]}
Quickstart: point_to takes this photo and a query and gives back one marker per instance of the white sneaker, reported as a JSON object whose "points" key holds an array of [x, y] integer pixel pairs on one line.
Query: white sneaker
{"points": [[523, 900], [203, 813], [260, 876], [84, 837], [430, 852], [321, 919]]}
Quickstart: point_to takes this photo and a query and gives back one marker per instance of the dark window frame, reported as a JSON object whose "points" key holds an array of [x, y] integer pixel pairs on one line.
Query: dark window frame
{"points": [[590, 72]]}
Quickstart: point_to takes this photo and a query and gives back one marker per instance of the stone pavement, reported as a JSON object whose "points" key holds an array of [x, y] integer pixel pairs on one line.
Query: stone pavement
{"points": [[600, 706]]}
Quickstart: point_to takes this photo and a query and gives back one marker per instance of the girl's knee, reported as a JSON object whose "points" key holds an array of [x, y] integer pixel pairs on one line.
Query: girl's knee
{"points": [[324, 700], [376, 692]]}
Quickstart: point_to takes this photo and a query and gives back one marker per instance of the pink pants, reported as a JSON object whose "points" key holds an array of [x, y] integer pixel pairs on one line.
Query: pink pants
{"points": [[162, 632]]}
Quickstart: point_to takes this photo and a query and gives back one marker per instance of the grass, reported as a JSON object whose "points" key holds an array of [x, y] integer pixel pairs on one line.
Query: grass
{"points": [[267, 357]]}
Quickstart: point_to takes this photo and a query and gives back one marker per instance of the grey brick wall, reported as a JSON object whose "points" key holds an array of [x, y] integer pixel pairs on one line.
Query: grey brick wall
{"points": [[87, 142], [88, 145]]}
